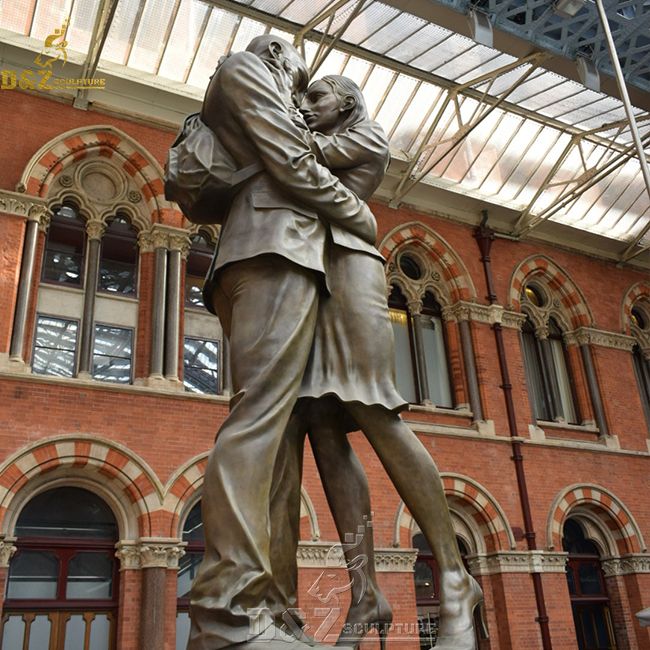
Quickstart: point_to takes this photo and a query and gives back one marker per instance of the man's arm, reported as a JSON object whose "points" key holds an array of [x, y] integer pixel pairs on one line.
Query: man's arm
{"points": [[249, 90]]}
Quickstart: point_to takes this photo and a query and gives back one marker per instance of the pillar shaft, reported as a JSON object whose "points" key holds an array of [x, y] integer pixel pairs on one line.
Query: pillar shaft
{"points": [[90, 289], [421, 362], [470, 369], [172, 314], [158, 318], [152, 627], [24, 291], [594, 393]]}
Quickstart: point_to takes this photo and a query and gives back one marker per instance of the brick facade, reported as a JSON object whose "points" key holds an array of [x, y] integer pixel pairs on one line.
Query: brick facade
{"points": [[143, 447]]}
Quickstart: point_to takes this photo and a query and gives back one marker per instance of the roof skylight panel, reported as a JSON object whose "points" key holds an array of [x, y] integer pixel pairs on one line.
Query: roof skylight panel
{"points": [[150, 38], [421, 41], [17, 16], [401, 27], [397, 102], [120, 35]]}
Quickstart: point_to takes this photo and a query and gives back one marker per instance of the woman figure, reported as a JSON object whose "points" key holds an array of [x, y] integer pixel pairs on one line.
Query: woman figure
{"points": [[349, 385]]}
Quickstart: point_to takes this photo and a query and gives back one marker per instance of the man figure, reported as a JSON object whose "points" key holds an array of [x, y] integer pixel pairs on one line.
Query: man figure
{"points": [[264, 285]]}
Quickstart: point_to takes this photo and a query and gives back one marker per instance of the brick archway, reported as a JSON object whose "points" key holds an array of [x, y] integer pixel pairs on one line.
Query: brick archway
{"points": [[108, 142], [455, 276], [542, 268], [477, 507], [116, 473], [604, 505]]}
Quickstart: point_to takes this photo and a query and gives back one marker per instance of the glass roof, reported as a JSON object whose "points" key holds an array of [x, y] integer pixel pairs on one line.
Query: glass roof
{"points": [[542, 150]]}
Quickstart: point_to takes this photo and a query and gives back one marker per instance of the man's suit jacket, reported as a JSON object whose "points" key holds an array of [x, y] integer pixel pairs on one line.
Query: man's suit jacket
{"points": [[282, 209]]}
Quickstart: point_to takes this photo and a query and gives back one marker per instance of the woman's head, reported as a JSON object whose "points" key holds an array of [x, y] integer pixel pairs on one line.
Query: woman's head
{"points": [[332, 104]]}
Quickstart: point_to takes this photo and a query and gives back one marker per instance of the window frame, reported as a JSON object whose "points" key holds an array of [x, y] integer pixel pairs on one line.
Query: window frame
{"points": [[136, 266], [75, 369], [132, 358], [218, 343]]}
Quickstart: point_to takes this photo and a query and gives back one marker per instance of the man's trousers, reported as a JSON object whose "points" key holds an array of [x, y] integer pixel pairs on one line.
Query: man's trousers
{"points": [[267, 306]]}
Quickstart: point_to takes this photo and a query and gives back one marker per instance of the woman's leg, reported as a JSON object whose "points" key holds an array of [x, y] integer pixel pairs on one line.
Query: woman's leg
{"points": [[417, 481], [346, 488]]}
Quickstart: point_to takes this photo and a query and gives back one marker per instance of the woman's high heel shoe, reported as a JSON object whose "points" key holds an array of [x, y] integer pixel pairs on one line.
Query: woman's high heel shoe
{"points": [[359, 623], [459, 634]]}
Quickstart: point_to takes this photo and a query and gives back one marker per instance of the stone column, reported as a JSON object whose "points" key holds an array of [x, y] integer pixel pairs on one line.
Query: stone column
{"points": [[467, 349], [160, 242], [157, 555], [179, 246], [592, 383], [25, 283], [415, 312], [94, 231], [7, 550], [550, 380]]}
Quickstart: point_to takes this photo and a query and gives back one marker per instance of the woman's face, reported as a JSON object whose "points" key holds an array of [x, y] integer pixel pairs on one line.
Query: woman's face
{"points": [[321, 107]]}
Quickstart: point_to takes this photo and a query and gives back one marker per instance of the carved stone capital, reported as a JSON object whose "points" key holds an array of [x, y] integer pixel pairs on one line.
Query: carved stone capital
{"points": [[7, 550], [145, 241], [95, 229], [180, 241], [542, 332], [518, 562], [602, 338], [33, 208], [626, 565], [161, 553], [322, 555], [513, 319], [488, 314], [128, 553], [414, 307]]}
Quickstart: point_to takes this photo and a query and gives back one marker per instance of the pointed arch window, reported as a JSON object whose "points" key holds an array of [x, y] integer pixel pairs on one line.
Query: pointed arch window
{"points": [[640, 328], [118, 261], [62, 586], [405, 365], [588, 591], [198, 263], [65, 245], [435, 352]]}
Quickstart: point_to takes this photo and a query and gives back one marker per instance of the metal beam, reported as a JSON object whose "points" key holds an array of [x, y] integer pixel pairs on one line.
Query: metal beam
{"points": [[408, 181], [103, 20]]}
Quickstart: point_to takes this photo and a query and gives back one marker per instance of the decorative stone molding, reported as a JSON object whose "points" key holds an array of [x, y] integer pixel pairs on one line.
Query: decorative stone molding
{"points": [[128, 553], [489, 314], [414, 307], [145, 241], [134, 196], [518, 562], [31, 207], [180, 241], [150, 552], [7, 549], [161, 553], [626, 565], [602, 338], [95, 229], [322, 555]]}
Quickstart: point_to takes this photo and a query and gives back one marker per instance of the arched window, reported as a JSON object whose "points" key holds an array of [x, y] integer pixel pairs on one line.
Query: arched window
{"points": [[118, 260], [589, 599], [404, 349], [198, 263], [547, 370], [427, 591], [62, 586], [640, 328], [188, 566], [435, 352], [63, 261]]}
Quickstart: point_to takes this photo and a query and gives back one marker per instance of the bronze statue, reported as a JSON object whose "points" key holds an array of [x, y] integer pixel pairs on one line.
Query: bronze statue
{"points": [[349, 385], [293, 233], [265, 282]]}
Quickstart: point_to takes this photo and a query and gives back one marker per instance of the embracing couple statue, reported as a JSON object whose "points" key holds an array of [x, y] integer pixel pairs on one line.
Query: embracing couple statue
{"points": [[300, 290]]}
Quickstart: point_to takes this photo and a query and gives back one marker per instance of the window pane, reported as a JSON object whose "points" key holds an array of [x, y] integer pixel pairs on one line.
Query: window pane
{"points": [[182, 630], [424, 583], [534, 376], [33, 575], [588, 574], [405, 372], [90, 576], [198, 263], [39, 633], [118, 259], [75, 631], [193, 529], [54, 346], [201, 366], [67, 512], [187, 569], [100, 632], [436, 361], [112, 354], [563, 382], [13, 632], [64, 248]]}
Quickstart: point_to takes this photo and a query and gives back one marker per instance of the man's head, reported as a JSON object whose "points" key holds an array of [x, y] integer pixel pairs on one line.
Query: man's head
{"points": [[284, 56]]}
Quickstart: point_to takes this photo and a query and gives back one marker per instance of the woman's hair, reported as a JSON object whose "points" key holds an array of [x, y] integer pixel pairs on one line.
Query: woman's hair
{"points": [[344, 87]]}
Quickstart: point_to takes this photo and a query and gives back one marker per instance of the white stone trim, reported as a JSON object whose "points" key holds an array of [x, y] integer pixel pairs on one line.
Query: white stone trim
{"points": [[323, 555], [626, 565], [601, 338], [150, 553], [7, 550], [489, 314], [518, 562], [33, 208]]}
